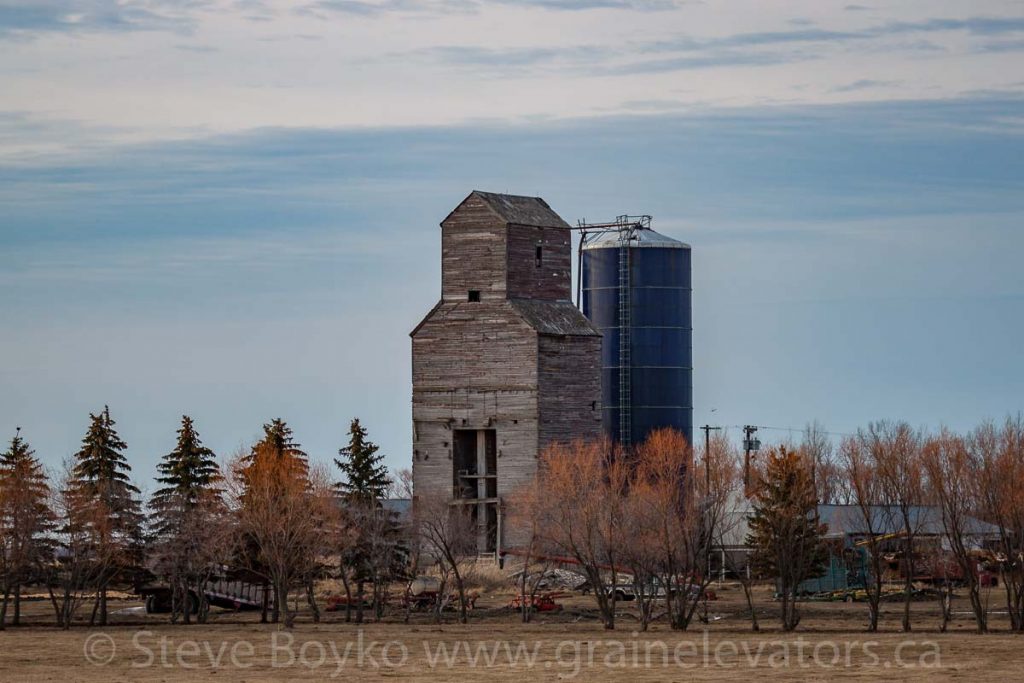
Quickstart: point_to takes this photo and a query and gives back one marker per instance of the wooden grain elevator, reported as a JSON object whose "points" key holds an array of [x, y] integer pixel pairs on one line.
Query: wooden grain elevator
{"points": [[504, 364]]}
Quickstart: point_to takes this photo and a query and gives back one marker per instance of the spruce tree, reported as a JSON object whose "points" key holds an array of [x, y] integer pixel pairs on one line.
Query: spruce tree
{"points": [[366, 477], [101, 485], [25, 520], [786, 534], [378, 553], [189, 471], [188, 504], [101, 469], [279, 443], [21, 472]]}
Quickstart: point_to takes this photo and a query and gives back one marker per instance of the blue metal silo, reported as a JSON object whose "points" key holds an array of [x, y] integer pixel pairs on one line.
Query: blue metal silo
{"points": [[635, 288]]}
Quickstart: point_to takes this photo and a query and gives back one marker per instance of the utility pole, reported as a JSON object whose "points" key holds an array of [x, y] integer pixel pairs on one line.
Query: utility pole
{"points": [[707, 497], [707, 457], [749, 444]]}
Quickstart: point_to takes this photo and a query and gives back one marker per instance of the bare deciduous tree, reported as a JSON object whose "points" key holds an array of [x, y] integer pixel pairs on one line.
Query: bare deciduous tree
{"points": [[448, 534], [873, 512], [195, 545], [84, 557], [999, 454], [525, 510], [895, 449], [951, 482], [830, 480]]}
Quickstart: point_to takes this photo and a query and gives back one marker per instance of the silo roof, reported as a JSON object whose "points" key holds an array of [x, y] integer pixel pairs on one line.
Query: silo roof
{"points": [[642, 237]]}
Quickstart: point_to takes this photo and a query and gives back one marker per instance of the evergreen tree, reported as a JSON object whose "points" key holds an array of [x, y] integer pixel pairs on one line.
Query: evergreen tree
{"points": [[186, 510], [25, 520], [101, 469], [785, 532], [366, 477], [278, 442], [189, 472], [378, 553], [107, 501]]}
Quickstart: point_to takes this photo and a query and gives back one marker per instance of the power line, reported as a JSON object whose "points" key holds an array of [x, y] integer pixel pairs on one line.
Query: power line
{"points": [[795, 429]]}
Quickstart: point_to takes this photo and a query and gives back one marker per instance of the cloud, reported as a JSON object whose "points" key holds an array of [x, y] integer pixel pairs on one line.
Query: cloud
{"points": [[709, 60], [25, 136], [976, 25], [998, 46], [202, 49], [578, 5], [596, 59], [24, 19], [764, 48], [376, 8], [757, 39], [864, 84], [743, 49], [466, 55]]}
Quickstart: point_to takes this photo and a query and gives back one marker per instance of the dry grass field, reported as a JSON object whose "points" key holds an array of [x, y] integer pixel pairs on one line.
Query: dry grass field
{"points": [[570, 645]]}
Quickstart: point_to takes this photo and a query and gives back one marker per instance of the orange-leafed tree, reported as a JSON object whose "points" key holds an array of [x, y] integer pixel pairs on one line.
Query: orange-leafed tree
{"points": [[583, 511], [999, 455], [25, 522], [283, 509], [673, 515]]}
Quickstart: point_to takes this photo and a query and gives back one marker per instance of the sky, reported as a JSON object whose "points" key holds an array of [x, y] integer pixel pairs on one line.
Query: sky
{"points": [[230, 208]]}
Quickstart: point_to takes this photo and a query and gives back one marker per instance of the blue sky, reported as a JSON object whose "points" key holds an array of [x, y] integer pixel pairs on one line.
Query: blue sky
{"points": [[184, 235]]}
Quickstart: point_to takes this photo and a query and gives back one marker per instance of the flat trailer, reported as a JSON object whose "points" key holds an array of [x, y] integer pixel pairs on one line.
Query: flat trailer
{"points": [[233, 594]]}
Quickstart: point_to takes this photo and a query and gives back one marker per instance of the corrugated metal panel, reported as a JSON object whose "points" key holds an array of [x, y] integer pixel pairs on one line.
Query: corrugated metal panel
{"points": [[659, 390], [640, 238], [845, 520]]}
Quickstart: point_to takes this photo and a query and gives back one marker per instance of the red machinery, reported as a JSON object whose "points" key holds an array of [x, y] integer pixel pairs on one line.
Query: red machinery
{"points": [[544, 602]]}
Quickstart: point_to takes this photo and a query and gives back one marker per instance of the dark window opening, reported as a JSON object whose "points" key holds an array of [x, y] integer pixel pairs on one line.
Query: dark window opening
{"points": [[474, 295], [491, 462], [464, 465], [540, 256], [492, 528], [471, 468]]}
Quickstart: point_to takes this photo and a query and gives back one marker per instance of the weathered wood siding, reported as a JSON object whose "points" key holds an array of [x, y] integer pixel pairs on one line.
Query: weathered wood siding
{"points": [[553, 279], [473, 253], [474, 367], [569, 397]]}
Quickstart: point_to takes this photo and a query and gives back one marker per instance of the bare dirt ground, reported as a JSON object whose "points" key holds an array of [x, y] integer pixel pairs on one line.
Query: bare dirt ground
{"points": [[571, 645]]}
